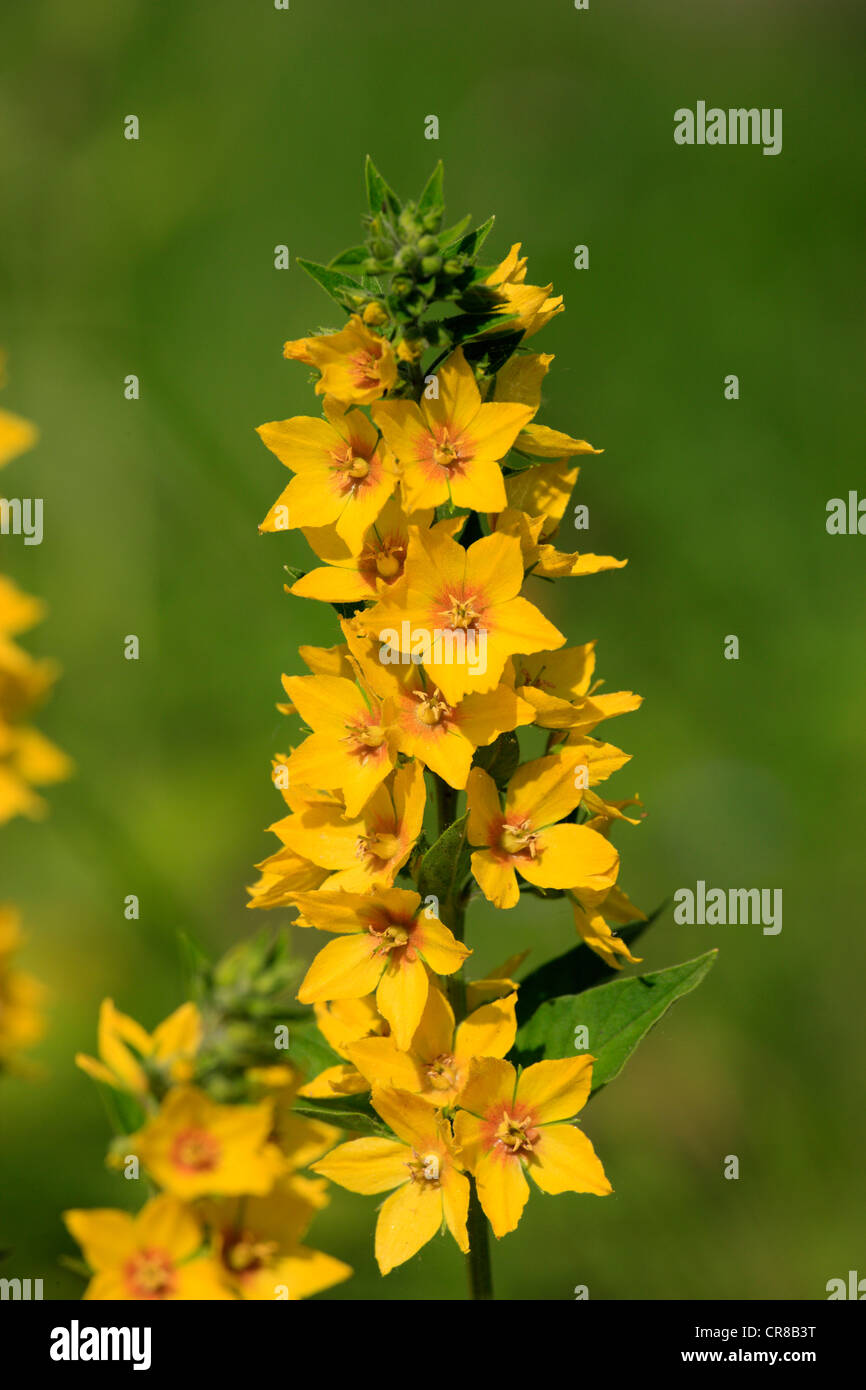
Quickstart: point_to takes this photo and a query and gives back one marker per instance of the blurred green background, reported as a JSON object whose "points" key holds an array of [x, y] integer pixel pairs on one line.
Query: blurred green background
{"points": [[156, 258]]}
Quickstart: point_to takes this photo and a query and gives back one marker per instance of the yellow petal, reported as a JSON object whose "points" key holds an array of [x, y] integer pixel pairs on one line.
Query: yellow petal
{"points": [[556, 1090], [407, 1220], [502, 1191], [365, 1165], [564, 1160]]}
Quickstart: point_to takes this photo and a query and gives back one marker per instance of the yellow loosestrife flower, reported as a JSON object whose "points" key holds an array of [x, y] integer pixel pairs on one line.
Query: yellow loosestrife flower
{"points": [[526, 836], [470, 599], [533, 305], [420, 1168], [258, 1246], [368, 850], [449, 448], [351, 746], [356, 366], [386, 944], [512, 1124], [152, 1256], [437, 1064], [194, 1147], [123, 1045], [343, 475]]}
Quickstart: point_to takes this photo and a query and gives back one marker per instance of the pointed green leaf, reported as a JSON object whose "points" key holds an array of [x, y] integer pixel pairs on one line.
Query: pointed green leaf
{"points": [[380, 197], [576, 970], [446, 864], [616, 1016], [346, 1112], [353, 255], [432, 199], [333, 282], [470, 244]]}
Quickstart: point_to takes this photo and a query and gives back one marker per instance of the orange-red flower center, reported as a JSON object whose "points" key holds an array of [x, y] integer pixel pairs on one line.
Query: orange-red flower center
{"points": [[195, 1150], [510, 1131], [394, 937], [364, 367], [150, 1274], [518, 837]]}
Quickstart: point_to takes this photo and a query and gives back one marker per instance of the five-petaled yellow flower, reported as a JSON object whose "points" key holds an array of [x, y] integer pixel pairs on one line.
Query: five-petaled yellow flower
{"points": [[437, 1064], [153, 1256], [449, 447], [511, 1124], [387, 944], [420, 1168], [460, 613], [194, 1147], [526, 836], [342, 473]]}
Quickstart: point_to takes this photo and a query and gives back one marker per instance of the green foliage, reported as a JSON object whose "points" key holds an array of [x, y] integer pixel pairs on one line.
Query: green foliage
{"points": [[617, 1016], [446, 864], [349, 294], [500, 759], [354, 1113], [575, 970]]}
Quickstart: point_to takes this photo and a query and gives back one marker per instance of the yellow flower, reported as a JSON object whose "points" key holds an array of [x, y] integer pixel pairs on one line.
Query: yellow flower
{"points": [[350, 747], [420, 1169], [512, 1124], [346, 577], [437, 1064], [559, 686], [342, 475], [449, 448], [356, 366], [149, 1256], [386, 944], [258, 1247], [597, 934], [124, 1045], [459, 611], [544, 491], [546, 560], [21, 996], [444, 737], [369, 850], [525, 838], [343, 1022], [194, 1147], [533, 305]]}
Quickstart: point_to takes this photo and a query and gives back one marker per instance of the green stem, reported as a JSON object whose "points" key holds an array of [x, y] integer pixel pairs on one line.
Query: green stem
{"points": [[478, 1267]]}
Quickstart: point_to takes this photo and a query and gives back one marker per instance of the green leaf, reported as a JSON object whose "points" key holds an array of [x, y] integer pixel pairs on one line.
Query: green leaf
{"points": [[617, 1016], [576, 970], [380, 197], [446, 864], [453, 234], [308, 1049], [346, 1112], [470, 244], [432, 198], [500, 758], [353, 255], [333, 282]]}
